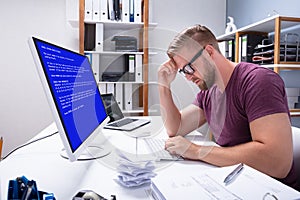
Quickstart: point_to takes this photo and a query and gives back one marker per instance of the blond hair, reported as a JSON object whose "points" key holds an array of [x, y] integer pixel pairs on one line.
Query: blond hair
{"points": [[191, 37]]}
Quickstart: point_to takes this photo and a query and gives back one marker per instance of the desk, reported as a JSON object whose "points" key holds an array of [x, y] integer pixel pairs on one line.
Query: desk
{"points": [[41, 161]]}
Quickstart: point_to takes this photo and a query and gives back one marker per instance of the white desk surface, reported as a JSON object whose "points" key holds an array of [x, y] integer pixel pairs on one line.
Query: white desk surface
{"points": [[41, 161]]}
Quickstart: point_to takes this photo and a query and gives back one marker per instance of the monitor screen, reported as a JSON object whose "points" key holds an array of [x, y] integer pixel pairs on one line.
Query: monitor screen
{"points": [[73, 95]]}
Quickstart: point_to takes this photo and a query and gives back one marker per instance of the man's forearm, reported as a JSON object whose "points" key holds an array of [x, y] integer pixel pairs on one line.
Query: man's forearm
{"points": [[267, 162], [169, 111]]}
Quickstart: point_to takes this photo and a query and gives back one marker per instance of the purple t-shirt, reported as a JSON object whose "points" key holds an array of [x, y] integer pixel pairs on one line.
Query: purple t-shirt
{"points": [[252, 92]]}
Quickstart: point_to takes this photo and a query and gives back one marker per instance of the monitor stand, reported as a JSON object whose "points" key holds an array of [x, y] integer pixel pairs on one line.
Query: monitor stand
{"points": [[91, 153]]}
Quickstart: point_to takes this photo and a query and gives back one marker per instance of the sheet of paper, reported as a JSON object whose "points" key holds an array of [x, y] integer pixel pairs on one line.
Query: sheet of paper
{"points": [[208, 184], [252, 184], [188, 187]]}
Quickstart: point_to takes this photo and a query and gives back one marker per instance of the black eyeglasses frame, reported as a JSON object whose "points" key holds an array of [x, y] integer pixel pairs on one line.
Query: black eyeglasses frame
{"points": [[188, 69]]}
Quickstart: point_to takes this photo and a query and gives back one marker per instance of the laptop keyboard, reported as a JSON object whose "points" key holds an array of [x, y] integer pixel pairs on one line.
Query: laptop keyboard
{"points": [[157, 146], [122, 122]]}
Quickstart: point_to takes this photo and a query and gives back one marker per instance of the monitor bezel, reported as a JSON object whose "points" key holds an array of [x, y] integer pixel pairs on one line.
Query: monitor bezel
{"points": [[72, 155]]}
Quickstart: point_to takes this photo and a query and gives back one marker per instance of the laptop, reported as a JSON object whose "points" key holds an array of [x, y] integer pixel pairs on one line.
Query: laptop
{"points": [[117, 119]]}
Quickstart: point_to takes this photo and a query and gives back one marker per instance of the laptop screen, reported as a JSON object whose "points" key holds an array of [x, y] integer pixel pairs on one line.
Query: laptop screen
{"points": [[112, 108]]}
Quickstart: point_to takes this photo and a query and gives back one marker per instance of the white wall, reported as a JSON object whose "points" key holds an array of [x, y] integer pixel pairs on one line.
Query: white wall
{"points": [[172, 17], [24, 110]]}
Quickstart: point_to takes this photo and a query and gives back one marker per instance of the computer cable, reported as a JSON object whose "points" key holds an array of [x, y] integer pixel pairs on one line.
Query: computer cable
{"points": [[26, 144]]}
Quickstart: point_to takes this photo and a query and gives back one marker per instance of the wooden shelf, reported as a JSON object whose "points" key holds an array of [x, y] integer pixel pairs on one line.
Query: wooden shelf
{"points": [[267, 25], [273, 25], [119, 52], [114, 52], [121, 82], [295, 112], [283, 66], [120, 26]]}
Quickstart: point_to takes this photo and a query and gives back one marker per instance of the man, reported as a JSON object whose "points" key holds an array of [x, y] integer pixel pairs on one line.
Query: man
{"points": [[244, 104]]}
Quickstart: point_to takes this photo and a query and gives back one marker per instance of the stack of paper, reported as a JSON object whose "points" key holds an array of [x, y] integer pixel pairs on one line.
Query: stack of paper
{"points": [[134, 172]]}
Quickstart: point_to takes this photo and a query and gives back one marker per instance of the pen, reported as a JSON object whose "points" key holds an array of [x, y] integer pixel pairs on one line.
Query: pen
{"points": [[234, 173]]}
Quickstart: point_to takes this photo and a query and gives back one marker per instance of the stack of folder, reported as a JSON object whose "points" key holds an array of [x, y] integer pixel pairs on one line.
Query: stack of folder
{"points": [[113, 10]]}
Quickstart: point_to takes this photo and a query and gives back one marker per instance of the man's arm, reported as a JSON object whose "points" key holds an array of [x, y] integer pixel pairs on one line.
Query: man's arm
{"points": [[176, 122], [180, 122], [270, 151]]}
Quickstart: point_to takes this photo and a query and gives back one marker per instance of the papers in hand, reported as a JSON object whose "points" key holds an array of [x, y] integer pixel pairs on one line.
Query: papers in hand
{"points": [[134, 172]]}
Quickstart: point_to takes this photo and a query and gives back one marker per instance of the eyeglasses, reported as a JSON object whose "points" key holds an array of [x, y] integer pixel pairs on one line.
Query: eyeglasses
{"points": [[188, 69]]}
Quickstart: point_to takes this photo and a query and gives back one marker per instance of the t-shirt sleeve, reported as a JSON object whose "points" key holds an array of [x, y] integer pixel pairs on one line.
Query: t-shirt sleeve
{"points": [[198, 101], [264, 94]]}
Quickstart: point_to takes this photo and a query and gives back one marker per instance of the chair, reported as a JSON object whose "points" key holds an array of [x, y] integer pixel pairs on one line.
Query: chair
{"points": [[296, 148]]}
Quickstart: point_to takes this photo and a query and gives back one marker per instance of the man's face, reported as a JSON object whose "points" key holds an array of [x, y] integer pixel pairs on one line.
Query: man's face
{"points": [[204, 70]]}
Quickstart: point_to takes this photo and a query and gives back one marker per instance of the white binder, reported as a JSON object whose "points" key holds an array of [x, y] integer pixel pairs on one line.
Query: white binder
{"points": [[137, 11], [110, 88], [139, 68], [102, 88], [99, 37], [94, 60], [128, 96], [96, 10], [119, 95], [131, 67], [125, 11], [103, 8], [88, 10]]}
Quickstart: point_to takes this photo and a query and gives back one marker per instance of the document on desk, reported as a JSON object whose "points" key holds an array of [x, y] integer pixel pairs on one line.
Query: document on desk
{"points": [[209, 184], [201, 186]]}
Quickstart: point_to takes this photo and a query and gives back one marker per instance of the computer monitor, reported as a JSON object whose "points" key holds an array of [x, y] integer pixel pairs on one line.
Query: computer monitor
{"points": [[74, 98]]}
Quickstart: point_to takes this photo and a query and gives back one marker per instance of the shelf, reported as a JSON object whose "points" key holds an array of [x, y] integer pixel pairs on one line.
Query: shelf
{"points": [[123, 82], [111, 28], [267, 25], [138, 111], [135, 110], [283, 66], [295, 112], [120, 25], [114, 52], [118, 52], [113, 24]]}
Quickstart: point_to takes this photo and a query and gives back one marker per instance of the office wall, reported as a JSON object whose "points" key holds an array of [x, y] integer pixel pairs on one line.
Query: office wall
{"points": [[24, 110], [248, 12], [172, 17]]}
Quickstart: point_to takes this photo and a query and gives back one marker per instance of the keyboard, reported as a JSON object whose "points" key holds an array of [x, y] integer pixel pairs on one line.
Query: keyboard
{"points": [[157, 147], [122, 122]]}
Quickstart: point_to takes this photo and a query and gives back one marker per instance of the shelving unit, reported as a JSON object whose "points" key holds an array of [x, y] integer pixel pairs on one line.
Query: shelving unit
{"points": [[121, 27], [272, 25]]}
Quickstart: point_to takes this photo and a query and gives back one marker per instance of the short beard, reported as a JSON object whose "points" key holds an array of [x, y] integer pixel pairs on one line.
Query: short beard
{"points": [[202, 85], [210, 75]]}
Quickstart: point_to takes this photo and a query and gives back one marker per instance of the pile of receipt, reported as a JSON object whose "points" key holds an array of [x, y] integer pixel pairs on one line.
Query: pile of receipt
{"points": [[134, 172]]}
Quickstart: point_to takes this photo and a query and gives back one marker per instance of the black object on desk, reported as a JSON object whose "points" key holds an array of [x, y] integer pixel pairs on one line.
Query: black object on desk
{"points": [[90, 195]]}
